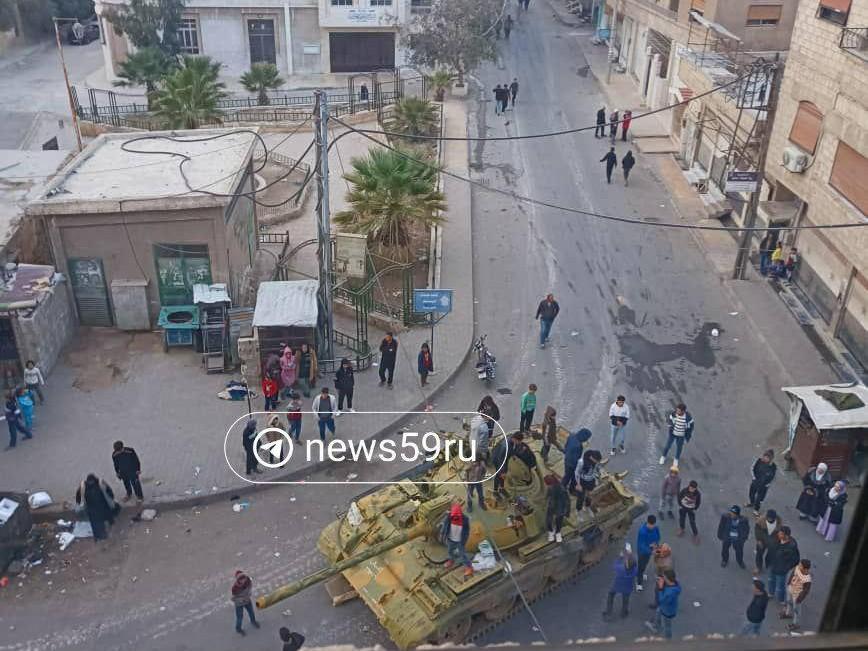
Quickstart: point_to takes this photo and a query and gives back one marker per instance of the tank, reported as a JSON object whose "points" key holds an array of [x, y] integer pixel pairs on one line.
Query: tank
{"points": [[388, 547]]}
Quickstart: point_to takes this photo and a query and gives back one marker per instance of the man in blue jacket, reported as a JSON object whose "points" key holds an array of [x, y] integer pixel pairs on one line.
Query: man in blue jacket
{"points": [[646, 540], [668, 592], [455, 531]]}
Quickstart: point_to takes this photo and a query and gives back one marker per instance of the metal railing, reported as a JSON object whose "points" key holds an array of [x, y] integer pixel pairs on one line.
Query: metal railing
{"points": [[855, 39]]}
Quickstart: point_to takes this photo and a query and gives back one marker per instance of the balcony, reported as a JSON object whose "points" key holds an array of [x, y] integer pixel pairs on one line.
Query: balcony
{"points": [[855, 41]]}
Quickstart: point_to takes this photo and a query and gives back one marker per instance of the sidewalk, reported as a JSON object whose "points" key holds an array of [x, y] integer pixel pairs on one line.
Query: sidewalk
{"points": [[114, 385]]}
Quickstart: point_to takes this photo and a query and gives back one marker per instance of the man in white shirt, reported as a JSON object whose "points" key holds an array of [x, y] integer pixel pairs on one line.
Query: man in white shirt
{"points": [[619, 414], [324, 407]]}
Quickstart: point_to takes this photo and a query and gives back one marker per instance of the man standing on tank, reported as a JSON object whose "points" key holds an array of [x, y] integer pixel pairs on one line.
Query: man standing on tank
{"points": [[455, 532]]}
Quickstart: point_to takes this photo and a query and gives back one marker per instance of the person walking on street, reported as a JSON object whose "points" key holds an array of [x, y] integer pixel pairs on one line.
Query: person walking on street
{"points": [[646, 542], [834, 515], [388, 356], [291, 641], [547, 311], [816, 484], [324, 406], [572, 454], [293, 415], [97, 500], [270, 391], [513, 87], [689, 500], [762, 475], [798, 589], [557, 507], [248, 436], [498, 97], [600, 131], [756, 610], [668, 592], [783, 556], [765, 253], [627, 164], [527, 408], [33, 379], [307, 369], [619, 414], [128, 468], [424, 364], [765, 532], [474, 477], [622, 583], [455, 531], [549, 433], [625, 124], [507, 28], [25, 404], [680, 431], [733, 531], [242, 590], [14, 422], [611, 160], [669, 493], [345, 383], [778, 259]]}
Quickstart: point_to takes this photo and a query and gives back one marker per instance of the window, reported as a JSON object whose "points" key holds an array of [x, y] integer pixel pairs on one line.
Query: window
{"points": [[342, 3], [849, 172], [834, 11], [381, 3], [263, 48], [758, 15], [179, 267], [805, 131], [188, 35]]}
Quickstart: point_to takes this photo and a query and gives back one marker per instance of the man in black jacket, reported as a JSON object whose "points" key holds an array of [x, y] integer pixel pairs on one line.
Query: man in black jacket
{"points": [[611, 161], [756, 611], [546, 312], [600, 131], [388, 355], [128, 469], [733, 531], [763, 474], [783, 556]]}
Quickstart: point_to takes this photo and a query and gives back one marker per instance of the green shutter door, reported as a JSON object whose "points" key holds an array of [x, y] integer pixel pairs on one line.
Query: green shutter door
{"points": [[90, 291]]}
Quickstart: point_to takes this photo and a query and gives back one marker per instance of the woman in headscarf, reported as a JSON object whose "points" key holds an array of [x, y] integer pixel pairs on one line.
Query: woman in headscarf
{"points": [[274, 435], [99, 503], [812, 501], [489, 408], [836, 499], [288, 370]]}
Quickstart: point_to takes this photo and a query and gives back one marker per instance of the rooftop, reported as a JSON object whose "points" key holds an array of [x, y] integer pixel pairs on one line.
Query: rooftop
{"points": [[23, 286], [145, 170]]}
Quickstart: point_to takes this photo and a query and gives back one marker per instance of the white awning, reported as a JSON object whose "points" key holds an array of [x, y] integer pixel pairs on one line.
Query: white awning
{"points": [[286, 303], [215, 293], [824, 413]]}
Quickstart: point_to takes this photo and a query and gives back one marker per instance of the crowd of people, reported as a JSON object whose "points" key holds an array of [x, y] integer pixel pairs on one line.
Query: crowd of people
{"points": [[614, 121]]}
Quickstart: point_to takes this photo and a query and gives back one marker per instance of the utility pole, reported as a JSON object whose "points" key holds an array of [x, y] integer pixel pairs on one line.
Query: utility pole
{"points": [[612, 33], [741, 258], [66, 78], [324, 246]]}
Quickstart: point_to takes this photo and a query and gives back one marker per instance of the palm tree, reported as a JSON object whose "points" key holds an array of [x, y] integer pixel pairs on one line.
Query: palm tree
{"points": [[260, 78], [146, 67], [189, 95], [440, 80], [391, 193], [415, 117]]}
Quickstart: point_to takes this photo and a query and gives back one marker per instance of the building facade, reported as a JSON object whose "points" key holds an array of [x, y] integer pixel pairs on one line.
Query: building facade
{"points": [[298, 36], [645, 34], [817, 167]]}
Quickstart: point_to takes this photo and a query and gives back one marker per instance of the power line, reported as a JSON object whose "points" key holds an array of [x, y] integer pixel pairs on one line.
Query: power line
{"points": [[647, 221]]}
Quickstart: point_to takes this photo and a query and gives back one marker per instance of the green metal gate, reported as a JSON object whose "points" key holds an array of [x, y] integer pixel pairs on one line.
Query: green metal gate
{"points": [[90, 290]]}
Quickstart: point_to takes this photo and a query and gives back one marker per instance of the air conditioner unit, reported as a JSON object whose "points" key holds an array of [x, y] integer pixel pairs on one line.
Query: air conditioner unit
{"points": [[795, 160]]}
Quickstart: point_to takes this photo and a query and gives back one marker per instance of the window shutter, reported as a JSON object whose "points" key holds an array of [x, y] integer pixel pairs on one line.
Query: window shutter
{"points": [[849, 172], [836, 5], [764, 12], [806, 127]]}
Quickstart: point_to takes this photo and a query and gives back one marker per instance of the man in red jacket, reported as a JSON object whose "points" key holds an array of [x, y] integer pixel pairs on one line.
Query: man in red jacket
{"points": [[270, 389]]}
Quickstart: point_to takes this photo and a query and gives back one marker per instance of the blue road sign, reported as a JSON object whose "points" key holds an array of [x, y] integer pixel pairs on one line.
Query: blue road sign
{"points": [[432, 300]]}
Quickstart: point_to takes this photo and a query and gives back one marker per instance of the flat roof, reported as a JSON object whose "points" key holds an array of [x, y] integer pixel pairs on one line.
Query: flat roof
{"points": [[286, 303], [121, 172], [827, 415], [28, 284]]}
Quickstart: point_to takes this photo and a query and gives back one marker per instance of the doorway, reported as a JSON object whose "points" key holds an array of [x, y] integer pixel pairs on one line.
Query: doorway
{"points": [[90, 290], [260, 33], [361, 51]]}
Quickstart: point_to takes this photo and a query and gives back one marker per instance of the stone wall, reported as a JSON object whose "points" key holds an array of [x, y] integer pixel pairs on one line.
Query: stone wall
{"points": [[43, 335]]}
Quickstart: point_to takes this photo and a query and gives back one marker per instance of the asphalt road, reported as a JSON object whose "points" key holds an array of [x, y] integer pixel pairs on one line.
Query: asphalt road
{"points": [[637, 309]]}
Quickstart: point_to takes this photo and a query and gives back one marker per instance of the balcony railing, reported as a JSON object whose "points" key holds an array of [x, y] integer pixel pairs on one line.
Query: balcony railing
{"points": [[855, 41]]}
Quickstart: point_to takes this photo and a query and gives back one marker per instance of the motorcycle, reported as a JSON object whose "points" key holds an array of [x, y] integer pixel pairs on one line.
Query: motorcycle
{"points": [[486, 363]]}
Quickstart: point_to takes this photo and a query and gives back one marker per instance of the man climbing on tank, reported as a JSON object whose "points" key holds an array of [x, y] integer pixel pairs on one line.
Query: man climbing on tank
{"points": [[514, 446], [455, 532]]}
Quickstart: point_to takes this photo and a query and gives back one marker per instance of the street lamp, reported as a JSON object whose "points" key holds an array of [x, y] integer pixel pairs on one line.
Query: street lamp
{"points": [[75, 128]]}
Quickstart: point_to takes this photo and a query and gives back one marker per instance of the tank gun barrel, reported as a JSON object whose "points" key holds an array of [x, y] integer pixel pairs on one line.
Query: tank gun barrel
{"points": [[290, 589]]}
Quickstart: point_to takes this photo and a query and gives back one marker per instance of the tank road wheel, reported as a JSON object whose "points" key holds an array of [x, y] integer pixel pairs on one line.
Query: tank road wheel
{"points": [[535, 589], [455, 632], [500, 610]]}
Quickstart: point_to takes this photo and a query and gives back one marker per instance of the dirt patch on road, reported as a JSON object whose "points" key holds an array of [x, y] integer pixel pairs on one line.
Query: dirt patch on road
{"points": [[102, 357]]}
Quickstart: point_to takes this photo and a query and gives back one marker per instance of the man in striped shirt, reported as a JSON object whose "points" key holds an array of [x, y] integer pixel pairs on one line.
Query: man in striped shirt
{"points": [[680, 430]]}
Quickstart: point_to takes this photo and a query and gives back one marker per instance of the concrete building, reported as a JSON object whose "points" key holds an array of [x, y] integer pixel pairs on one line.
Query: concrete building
{"points": [[131, 236], [817, 168], [299, 36], [646, 33]]}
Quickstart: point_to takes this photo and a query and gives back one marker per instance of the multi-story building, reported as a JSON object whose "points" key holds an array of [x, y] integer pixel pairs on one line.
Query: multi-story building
{"points": [[299, 36], [646, 34], [817, 166]]}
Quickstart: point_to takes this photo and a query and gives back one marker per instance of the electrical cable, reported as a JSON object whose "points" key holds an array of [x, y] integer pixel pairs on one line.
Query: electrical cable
{"points": [[647, 221]]}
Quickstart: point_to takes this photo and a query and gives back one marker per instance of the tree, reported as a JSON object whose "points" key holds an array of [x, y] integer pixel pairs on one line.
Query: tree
{"points": [[189, 95], [440, 80], [146, 67], [414, 117], [456, 35], [390, 193], [260, 78], [149, 23]]}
